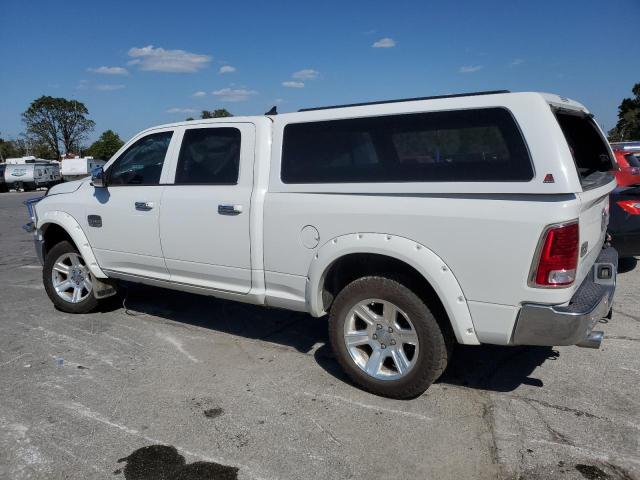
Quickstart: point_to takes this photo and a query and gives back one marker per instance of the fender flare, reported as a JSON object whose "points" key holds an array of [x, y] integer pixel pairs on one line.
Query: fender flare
{"points": [[73, 228], [425, 261]]}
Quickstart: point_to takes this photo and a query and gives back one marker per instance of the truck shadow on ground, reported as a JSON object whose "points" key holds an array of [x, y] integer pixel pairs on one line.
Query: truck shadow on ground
{"points": [[485, 367]]}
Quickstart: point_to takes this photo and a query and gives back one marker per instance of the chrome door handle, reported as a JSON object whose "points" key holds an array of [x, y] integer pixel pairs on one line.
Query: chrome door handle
{"points": [[229, 209], [144, 206]]}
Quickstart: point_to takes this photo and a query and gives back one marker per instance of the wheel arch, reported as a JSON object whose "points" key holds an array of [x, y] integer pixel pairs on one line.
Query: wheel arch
{"points": [[398, 252], [55, 226]]}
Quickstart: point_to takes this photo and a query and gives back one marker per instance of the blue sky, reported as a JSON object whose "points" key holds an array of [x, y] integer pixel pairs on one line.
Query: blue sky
{"points": [[137, 64]]}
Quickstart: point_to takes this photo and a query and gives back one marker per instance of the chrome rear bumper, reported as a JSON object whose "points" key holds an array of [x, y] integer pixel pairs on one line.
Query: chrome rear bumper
{"points": [[571, 324]]}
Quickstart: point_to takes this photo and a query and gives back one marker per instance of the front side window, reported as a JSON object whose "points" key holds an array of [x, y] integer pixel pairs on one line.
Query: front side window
{"points": [[141, 163], [209, 156], [477, 145]]}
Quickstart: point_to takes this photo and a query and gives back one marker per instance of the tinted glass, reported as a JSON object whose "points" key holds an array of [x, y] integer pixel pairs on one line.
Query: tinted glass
{"points": [[209, 156], [633, 159], [462, 146], [588, 147], [141, 163]]}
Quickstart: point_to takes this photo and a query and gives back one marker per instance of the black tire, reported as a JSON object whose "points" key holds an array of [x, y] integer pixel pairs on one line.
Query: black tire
{"points": [[435, 341], [85, 306]]}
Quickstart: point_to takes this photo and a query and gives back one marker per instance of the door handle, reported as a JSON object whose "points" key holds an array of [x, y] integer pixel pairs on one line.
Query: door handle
{"points": [[144, 206], [229, 209]]}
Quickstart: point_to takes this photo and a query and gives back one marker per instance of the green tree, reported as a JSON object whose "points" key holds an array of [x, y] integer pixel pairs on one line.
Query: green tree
{"points": [[218, 113], [628, 126], [104, 148], [23, 146], [57, 122]]}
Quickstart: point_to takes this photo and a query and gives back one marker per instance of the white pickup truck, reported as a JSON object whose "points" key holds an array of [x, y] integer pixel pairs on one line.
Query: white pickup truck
{"points": [[414, 224]]}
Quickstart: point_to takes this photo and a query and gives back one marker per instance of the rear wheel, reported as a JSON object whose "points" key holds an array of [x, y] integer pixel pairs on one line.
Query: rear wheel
{"points": [[67, 279], [386, 338]]}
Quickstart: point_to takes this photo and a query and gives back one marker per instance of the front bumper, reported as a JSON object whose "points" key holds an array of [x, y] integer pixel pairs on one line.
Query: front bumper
{"points": [[571, 324]]}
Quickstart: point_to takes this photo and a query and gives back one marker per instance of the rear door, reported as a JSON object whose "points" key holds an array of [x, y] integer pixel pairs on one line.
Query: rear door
{"points": [[205, 217], [593, 158]]}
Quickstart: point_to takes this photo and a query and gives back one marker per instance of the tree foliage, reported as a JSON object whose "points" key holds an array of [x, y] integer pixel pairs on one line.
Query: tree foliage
{"points": [[23, 146], [218, 113], [58, 122], [104, 148], [628, 126]]}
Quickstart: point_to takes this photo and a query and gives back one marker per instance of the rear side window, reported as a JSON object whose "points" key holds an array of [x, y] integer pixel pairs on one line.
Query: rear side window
{"points": [[209, 156], [588, 147], [141, 163], [460, 146], [633, 159]]}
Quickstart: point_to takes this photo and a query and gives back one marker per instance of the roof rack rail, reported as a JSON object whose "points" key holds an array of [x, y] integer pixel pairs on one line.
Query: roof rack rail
{"points": [[471, 94]]}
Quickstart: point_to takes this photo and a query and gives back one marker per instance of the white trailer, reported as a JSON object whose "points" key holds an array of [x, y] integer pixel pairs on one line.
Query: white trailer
{"points": [[31, 175], [76, 168]]}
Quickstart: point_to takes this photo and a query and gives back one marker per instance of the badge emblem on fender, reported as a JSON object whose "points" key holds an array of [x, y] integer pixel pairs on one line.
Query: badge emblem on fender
{"points": [[548, 178]]}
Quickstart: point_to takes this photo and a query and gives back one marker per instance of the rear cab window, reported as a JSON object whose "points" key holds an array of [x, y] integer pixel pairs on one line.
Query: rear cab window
{"points": [[471, 145], [588, 147]]}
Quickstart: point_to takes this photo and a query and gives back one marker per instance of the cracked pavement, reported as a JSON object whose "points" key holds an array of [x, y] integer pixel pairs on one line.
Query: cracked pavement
{"points": [[210, 385]]}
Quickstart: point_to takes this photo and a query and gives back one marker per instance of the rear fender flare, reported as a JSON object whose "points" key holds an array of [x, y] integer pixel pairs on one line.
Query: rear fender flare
{"points": [[425, 261]]}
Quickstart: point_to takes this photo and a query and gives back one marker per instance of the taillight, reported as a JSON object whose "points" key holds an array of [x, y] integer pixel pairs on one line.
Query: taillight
{"points": [[630, 206], [557, 259]]}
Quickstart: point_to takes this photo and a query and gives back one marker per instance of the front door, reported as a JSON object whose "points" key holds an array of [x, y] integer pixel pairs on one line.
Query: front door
{"points": [[122, 219], [205, 216]]}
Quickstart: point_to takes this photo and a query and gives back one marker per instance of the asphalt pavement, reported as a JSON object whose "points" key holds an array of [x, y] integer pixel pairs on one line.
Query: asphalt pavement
{"points": [[162, 384]]}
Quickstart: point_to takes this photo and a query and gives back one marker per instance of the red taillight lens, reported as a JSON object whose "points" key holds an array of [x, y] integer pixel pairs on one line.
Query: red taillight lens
{"points": [[559, 256], [630, 206]]}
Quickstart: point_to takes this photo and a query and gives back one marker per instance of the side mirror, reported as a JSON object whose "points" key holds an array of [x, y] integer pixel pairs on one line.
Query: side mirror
{"points": [[98, 178]]}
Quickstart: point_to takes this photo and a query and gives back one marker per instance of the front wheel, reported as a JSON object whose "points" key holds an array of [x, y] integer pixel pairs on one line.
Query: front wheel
{"points": [[67, 279], [386, 339]]}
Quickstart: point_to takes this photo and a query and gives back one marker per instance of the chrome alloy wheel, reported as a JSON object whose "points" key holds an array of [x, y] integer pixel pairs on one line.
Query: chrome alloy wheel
{"points": [[71, 278], [381, 339]]}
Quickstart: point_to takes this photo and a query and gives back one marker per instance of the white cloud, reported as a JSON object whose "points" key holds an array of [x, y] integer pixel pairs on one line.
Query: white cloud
{"points": [[234, 94], [107, 87], [292, 84], [181, 110], [199, 93], [384, 43], [227, 69], [306, 74], [470, 68], [516, 62], [161, 60], [109, 70]]}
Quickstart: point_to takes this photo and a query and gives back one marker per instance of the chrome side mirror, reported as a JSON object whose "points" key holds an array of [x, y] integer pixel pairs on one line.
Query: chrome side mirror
{"points": [[98, 178]]}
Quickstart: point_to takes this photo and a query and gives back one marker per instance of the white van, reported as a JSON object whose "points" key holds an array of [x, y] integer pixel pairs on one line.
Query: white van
{"points": [[413, 224]]}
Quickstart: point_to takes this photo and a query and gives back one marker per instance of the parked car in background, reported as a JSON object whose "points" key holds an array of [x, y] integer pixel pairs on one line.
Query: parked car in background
{"points": [[3, 184], [627, 158], [624, 224], [414, 224]]}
